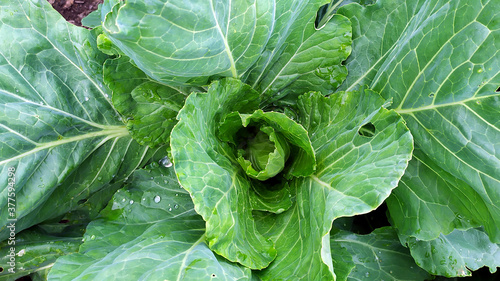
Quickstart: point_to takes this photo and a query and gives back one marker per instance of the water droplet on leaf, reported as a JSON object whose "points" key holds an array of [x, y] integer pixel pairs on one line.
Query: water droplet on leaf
{"points": [[165, 162], [157, 199]]}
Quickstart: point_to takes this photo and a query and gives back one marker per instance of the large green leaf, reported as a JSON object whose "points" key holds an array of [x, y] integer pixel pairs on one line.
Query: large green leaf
{"points": [[429, 201], [58, 130], [150, 229], [454, 254], [439, 62], [377, 256], [192, 38], [354, 175], [271, 44], [208, 169]]}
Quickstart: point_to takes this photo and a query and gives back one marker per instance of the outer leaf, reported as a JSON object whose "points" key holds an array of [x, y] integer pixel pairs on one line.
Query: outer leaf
{"points": [[438, 60], [149, 107], [36, 251], [207, 168], [452, 254], [354, 175], [377, 256], [271, 44], [57, 126], [192, 38], [298, 57], [429, 201], [151, 229]]}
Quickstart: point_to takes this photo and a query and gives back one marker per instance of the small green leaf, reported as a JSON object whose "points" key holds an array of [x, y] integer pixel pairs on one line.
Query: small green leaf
{"points": [[150, 108]]}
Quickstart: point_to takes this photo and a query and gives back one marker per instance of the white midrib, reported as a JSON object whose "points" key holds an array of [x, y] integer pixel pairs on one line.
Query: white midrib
{"points": [[435, 106], [110, 132], [234, 73]]}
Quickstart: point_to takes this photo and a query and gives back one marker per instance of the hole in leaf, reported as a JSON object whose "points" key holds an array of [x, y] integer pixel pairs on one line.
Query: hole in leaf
{"points": [[431, 95], [213, 275], [1, 269], [498, 90], [63, 221], [367, 130], [325, 13], [343, 62], [322, 12], [82, 201]]}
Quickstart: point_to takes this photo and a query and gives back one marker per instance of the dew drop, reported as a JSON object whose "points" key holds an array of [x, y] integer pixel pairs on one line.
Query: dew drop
{"points": [[177, 194], [21, 253], [176, 206], [165, 162], [367, 274], [157, 199], [92, 237], [87, 98], [131, 202], [123, 200], [106, 95], [170, 209]]}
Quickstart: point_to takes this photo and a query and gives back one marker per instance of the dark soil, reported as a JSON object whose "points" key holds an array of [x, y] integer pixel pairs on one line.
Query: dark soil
{"points": [[75, 10]]}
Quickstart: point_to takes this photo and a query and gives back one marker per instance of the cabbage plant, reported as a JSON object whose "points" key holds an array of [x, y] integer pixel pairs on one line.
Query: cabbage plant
{"points": [[250, 140]]}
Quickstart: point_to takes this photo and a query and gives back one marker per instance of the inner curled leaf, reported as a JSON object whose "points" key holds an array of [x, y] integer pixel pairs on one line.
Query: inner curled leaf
{"points": [[265, 141], [264, 155]]}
